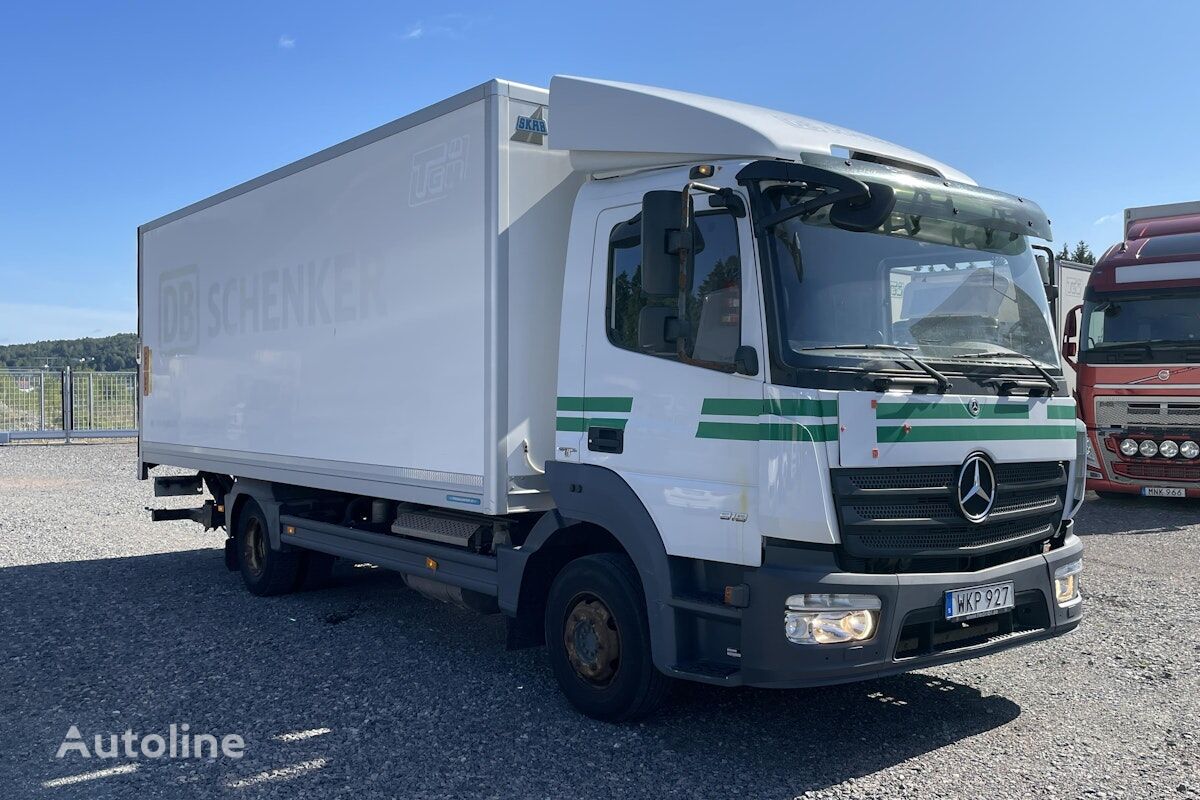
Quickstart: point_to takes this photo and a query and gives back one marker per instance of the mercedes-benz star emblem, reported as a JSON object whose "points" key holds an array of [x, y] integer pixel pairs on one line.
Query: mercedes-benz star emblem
{"points": [[976, 488], [973, 407]]}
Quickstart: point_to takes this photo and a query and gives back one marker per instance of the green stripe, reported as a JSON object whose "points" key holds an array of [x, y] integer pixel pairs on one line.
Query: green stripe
{"points": [[972, 433], [580, 424], [734, 407], [767, 431], [608, 404], [951, 410], [802, 408], [1060, 412]]}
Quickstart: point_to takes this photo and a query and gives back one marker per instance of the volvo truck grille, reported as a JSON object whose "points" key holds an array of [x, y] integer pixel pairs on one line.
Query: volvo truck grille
{"points": [[907, 519], [1153, 412]]}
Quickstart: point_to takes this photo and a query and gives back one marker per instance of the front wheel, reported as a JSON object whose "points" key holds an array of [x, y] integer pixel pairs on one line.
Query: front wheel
{"points": [[598, 638]]}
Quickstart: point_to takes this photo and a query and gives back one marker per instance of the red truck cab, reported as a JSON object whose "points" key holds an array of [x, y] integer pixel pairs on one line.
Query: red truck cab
{"points": [[1135, 344]]}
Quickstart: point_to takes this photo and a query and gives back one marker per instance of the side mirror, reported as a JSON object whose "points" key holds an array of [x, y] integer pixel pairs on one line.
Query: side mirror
{"points": [[745, 360], [668, 227], [1045, 264], [1070, 330], [1071, 324], [862, 214]]}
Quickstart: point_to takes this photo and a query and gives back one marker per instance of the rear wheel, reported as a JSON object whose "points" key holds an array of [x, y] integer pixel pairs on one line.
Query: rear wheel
{"points": [[598, 638], [264, 571]]}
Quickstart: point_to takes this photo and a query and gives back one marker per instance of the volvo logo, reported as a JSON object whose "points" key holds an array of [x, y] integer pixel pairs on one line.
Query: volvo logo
{"points": [[1164, 374], [973, 407], [976, 488]]}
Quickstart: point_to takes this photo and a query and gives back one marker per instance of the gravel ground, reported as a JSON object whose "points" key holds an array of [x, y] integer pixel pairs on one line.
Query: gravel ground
{"points": [[111, 623]]}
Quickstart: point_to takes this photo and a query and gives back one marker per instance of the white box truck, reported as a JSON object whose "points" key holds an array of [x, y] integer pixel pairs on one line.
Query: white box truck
{"points": [[685, 388]]}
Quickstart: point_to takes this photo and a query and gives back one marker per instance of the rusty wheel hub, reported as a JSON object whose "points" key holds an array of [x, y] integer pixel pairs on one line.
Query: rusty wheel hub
{"points": [[593, 643]]}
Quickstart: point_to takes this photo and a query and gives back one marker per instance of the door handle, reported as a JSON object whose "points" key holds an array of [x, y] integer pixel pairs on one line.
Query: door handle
{"points": [[606, 440]]}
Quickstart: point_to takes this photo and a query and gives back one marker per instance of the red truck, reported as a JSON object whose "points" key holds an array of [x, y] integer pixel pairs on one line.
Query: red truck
{"points": [[1135, 345]]}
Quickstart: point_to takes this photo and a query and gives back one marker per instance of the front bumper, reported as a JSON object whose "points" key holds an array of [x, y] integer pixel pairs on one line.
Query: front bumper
{"points": [[911, 633], [1117, 473]]}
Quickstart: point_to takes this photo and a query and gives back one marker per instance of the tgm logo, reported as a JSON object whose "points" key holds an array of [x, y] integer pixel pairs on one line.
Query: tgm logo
{"points": [[531, 129], [178, 311], [438, 170]]}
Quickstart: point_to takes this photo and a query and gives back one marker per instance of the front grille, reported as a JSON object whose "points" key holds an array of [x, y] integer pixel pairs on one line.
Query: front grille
{"points": [[937, 541], [926, 478], [1148, 412], [911, 515], [1157, 470]]}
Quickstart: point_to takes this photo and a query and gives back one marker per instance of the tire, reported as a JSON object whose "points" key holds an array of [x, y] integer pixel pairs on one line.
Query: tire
{"points": [[598, 639], [265, 571]]}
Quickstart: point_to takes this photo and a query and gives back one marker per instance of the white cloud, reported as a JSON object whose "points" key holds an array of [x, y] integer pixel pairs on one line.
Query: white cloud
{"points": [[1107, 218], [452, 26], [287, 42], [36, 322]]}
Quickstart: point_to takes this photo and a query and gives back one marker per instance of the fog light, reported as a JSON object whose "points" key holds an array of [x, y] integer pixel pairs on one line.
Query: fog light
{"points": [[1129, 447], [1066, 582], [1148, 448], [1168, 449], [831, 618], [1189, 449]]}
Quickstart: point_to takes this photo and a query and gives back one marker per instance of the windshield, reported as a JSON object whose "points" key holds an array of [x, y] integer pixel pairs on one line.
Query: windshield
{"points": [[945, 289], [1142, 328]]}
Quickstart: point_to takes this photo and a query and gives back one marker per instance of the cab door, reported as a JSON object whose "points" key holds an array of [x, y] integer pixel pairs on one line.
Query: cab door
{"points": [[681, 429]]}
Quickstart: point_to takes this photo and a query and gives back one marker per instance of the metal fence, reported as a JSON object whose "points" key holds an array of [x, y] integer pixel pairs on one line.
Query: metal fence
{"points": [[64, 404]]}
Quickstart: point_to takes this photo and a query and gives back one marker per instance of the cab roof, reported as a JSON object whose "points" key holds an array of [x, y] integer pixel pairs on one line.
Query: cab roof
{"points": [[1160, 252]]}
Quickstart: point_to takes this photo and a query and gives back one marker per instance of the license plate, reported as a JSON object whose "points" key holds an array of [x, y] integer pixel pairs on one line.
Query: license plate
{"points": [[1163, 491], [979, 601]]}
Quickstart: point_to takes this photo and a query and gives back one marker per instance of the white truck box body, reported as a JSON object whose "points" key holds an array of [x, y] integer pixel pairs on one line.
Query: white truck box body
{"points": [[380, 318]]}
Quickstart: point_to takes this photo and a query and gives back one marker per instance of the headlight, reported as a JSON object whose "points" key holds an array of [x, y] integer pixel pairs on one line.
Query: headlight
{"points": [[831, 618], [1189, 449], [1129, 447], [1168, 449], [1148, 448], [1066, 582]]}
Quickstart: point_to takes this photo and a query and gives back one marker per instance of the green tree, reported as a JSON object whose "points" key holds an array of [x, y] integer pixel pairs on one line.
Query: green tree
{"points": [[1082, 253], [106, 354]]}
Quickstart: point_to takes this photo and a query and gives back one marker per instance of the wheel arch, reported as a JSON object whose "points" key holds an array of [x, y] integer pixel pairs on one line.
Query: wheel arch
{"points": [[597, 511]]}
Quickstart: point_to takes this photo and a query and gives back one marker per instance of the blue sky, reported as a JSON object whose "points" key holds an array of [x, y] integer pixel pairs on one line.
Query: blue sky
{"points": [[112, 114]]}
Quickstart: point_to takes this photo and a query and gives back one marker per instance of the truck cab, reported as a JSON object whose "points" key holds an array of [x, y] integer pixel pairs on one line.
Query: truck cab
{"points": [[1135, 344], [811, 369]]}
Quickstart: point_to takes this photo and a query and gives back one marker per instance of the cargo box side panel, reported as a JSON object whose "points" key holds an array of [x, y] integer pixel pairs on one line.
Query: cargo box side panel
{"points": [[331, 322], [540, 196]]}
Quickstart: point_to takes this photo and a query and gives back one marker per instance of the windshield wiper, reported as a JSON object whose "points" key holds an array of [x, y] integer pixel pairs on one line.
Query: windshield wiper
{"points": [[943, 382], [1051, 381], [1146, 344]]}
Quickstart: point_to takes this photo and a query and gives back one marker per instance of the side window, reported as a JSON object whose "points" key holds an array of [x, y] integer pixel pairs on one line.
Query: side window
{"points": [[710, 332]]}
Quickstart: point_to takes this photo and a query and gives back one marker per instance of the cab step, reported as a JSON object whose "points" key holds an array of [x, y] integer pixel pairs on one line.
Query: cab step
{"points": [[709, 672]]}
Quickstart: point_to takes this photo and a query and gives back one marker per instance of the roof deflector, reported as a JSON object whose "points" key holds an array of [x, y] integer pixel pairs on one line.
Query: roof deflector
{"points": [[610, 127]]}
